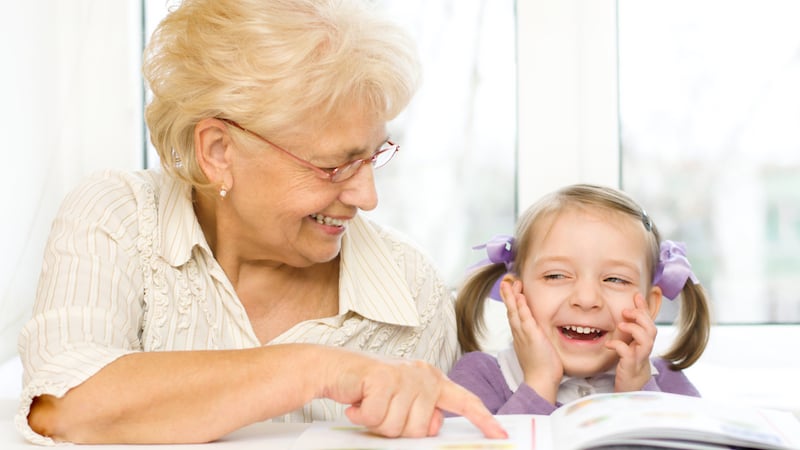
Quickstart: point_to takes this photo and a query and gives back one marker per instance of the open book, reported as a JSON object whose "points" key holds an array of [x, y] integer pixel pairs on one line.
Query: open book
{"points": [[635, 420], [661, 420]]}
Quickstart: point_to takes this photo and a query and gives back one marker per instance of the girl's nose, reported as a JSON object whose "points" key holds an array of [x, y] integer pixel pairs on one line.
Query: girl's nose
{"points": [[586, 295]]}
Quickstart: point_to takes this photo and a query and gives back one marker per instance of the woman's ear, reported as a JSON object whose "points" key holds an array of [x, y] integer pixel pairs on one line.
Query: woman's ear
{"points": [[654, 301], [213, 151]]}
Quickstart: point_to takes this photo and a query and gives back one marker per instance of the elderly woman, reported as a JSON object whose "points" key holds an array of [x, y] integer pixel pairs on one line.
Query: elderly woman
{"points": [[240, 283]]}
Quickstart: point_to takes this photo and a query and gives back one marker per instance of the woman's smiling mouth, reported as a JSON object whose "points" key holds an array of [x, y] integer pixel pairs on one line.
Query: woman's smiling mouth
{"points": [[330, 221]]}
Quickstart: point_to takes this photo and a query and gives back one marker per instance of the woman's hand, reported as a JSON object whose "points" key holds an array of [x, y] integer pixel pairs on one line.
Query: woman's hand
{"points": [[401, 398], [633, 368], [539, 360]]}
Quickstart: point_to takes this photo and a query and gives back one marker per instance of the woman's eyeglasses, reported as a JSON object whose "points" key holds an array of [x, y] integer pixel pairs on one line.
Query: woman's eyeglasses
{"points": [[378, 159]]}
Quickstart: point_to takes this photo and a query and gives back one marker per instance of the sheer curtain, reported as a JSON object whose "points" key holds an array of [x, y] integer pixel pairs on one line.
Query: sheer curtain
{"points": [[72, 105]]}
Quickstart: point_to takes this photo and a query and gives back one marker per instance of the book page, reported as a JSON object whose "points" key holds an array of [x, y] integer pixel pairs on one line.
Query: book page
{"points": [[654, 417]]}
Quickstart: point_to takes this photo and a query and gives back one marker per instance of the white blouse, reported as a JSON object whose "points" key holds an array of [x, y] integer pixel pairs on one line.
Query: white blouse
{"points": [[127, 269]]}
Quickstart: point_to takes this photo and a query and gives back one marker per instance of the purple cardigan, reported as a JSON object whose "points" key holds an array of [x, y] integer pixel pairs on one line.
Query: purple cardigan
{"points": [[480, 373]]}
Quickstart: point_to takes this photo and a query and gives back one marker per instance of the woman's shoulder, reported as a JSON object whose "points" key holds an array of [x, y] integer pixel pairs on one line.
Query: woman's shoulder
{"points": [[400, 244], [133, 178], [118, 181], [112, 195]]}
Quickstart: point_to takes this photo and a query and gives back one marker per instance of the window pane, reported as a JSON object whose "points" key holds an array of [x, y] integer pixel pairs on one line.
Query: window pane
{"points": [[452, 185], [709, 115]]}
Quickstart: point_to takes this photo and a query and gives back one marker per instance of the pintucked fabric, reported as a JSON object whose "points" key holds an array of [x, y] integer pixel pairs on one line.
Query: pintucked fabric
{"points": [[127, 269]]}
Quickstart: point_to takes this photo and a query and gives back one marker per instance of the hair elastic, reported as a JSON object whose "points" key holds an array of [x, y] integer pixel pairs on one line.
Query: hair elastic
{"points": [[499, 249], [674, 269]]}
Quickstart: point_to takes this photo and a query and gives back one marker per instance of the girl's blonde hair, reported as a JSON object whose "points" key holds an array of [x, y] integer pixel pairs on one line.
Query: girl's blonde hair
{"points": [[273, 66], [694, 319]]}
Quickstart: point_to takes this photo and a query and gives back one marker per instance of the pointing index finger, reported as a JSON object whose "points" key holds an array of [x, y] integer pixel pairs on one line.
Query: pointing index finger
{"points": [[458, 400]]}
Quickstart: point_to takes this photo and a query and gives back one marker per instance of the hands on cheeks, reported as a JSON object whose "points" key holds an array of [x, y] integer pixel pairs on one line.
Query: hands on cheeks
{"points": [[400, 398], [633, 368], [540, 362]]}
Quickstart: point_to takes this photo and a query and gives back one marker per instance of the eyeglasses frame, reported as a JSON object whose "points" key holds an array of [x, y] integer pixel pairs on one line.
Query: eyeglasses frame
{"points": [[325, 174]]}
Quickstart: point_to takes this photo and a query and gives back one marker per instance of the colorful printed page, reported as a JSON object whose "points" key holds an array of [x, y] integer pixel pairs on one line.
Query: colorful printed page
{"points": [[456, 434], [670, 421]]}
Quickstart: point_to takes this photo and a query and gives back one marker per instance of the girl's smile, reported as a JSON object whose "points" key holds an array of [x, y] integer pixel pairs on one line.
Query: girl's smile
{"points": [[581, 333]]}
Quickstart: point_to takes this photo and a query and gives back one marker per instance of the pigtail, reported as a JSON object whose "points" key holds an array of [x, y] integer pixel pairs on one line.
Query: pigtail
{"points": [[694, 327], [469, 305]]}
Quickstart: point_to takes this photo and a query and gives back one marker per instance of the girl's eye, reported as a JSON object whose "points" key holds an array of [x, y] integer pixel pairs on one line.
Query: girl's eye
{"points": [[617, 280], [554, 276]]}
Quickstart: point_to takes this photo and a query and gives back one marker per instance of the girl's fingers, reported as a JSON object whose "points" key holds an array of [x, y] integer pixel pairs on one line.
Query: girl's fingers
{"points": [[509, 299]]}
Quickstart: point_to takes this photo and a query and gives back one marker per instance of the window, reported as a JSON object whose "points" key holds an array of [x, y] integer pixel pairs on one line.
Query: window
{"points": [[709, 118], [452, 186]]}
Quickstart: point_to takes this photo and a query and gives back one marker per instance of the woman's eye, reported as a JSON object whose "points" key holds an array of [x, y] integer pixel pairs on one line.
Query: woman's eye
{"points": [[554, 276]]}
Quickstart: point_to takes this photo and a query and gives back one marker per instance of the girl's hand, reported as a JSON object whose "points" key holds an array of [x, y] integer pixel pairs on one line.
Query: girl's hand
{"points": [[633, 368], [540, 362]]}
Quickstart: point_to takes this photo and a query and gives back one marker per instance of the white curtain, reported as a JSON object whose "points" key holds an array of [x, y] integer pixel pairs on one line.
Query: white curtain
{"points": [[71, 105]]}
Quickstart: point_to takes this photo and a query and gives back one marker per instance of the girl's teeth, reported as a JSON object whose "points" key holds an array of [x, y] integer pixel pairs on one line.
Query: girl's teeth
{"points": [[582, 330]]}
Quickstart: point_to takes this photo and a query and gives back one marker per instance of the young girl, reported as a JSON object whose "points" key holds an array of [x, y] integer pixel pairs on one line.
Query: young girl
{"points": [[582, 282]]}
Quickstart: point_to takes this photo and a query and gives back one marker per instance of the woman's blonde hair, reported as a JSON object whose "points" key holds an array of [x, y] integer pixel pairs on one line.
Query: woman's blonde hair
{"points": [[271, 65], [694, 321]]}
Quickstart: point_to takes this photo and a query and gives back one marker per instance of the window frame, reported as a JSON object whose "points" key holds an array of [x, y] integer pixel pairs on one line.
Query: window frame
{"points": [[568, 121]]}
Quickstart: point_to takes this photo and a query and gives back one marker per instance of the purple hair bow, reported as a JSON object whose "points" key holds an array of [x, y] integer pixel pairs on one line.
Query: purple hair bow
{"points": [[673, 270], [499, 249]]}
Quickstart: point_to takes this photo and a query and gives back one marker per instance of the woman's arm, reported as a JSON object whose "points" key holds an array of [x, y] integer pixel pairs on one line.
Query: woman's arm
{"points": [[199, 396]]}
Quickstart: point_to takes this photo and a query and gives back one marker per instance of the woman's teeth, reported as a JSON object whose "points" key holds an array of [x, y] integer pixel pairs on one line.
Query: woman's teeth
{"points": [[325, 220]]}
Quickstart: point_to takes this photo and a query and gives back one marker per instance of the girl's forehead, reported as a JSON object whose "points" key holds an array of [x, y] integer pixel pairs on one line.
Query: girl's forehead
{"points": [[580, 218], [594, 237], [569, 213]]}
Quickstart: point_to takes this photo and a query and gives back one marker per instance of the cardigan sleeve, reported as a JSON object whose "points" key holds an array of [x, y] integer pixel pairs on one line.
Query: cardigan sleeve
{"points": [[669, 380], [480, 373]]}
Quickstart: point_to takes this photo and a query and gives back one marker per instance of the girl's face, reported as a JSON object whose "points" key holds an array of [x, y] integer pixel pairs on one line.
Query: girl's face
{"points": [[281, 211], [584, 267]]}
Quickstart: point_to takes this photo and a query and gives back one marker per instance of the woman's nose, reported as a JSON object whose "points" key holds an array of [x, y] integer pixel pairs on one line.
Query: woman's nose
{"points": [[359, 190]]}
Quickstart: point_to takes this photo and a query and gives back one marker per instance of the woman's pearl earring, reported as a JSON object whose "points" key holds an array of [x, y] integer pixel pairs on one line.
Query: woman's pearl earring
{"points": [[223, 191]]}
